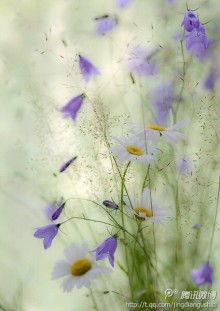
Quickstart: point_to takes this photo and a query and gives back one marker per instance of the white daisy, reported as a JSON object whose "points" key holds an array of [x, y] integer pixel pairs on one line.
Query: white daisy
{"points": [[134, 148], [142, 207], [170, 134], [79, 267]]}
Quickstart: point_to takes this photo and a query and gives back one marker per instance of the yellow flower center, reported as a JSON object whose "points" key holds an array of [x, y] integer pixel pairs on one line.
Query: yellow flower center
{"points": [[134, 150], [80, 267], [156, 127], [143, 210]]}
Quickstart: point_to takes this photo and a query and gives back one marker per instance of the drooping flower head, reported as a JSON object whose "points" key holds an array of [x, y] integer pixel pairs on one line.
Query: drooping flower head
{"points": [[110, 204], [78, 268], [134, 149], [197, 42], [67, 164], [144, 207], [47, 233], [190, 21], [56, 214], [203, 275], [87, 68], [140, 62], [107, 249], [72, 108], [105, 24]]}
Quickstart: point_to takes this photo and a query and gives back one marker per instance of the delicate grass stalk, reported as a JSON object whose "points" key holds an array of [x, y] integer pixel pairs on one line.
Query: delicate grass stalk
{"points": [[93, 299], [215, 221]]}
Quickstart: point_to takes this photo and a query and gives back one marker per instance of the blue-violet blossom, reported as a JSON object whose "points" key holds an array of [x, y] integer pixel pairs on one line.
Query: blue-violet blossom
{"points": [[67, 164], [203, 275], [47, 233], [72, 108], [105, 24], [87, 68], [107, 248], [190, 21]]}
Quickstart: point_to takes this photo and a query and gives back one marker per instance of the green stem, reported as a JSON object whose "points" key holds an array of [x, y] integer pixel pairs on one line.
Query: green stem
{"points": [[89, 219]]}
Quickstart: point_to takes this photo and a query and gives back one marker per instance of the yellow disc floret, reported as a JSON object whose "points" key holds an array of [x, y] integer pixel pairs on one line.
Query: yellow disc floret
{"points": [[80, 267], [134, 150], [156, 127], [143, 210]]}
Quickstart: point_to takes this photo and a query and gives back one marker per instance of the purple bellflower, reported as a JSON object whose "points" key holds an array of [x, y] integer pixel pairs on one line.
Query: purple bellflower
{"points": [[203, 275], [67, 164], [87, 68], [47, 233], [190, 21], [72, 108], [197, 42], [105, 24], [58, 211], [107, 248], [110, 204], [210, 80]]}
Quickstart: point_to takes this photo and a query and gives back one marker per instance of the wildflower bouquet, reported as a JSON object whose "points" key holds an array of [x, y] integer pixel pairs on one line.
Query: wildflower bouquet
{"points": [[140, 232]]}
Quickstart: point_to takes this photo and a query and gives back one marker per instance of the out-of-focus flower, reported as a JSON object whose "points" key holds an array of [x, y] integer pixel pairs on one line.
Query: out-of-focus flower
{"points": [[197, 226], [197, 42], [210, 80], [87, 68], [105, 24], [107, 249], [203, 275], [78, 268], [123, 3], [170, 2], [47, 233], [163, 99], [183, 165], [154, 132], [51, 208], [143, 207], [190, 21], [134, 148], [72, 108], [140, 62], [110, 204], [67, 164]]}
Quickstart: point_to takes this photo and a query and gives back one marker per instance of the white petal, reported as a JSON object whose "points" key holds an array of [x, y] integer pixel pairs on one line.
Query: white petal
{"points": [[62, 268], [180, 124], [68, 284]]}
